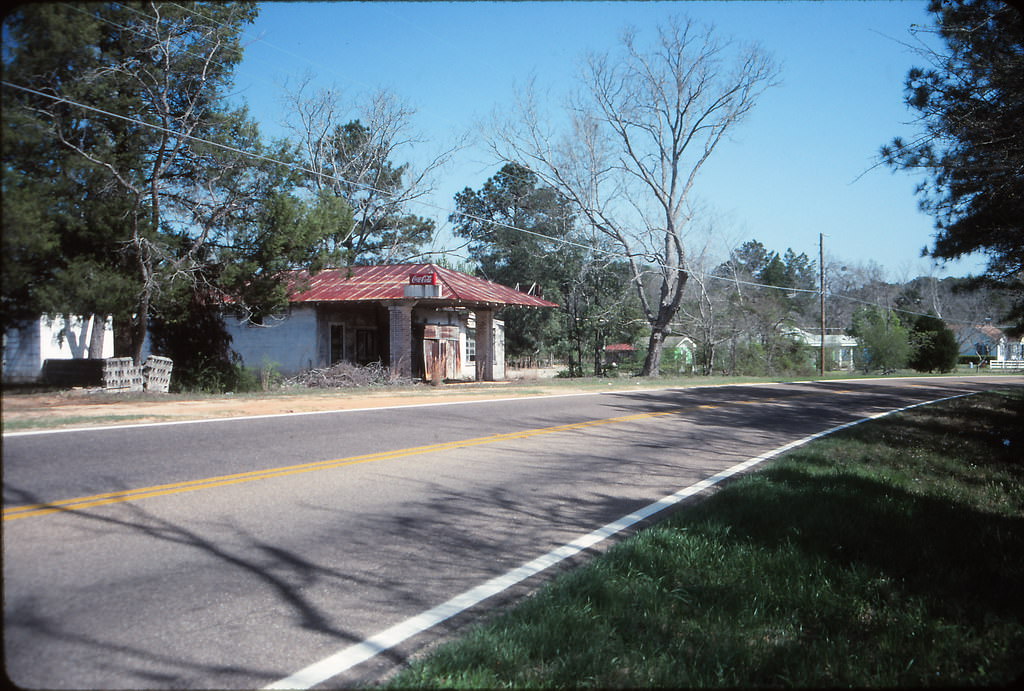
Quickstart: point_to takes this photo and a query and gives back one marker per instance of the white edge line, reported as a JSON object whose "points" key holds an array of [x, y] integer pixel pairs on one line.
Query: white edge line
{"points": [[349, 657], [105, 428]]}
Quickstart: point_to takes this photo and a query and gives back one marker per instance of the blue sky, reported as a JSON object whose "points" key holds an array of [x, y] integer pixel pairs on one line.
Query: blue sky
{"points": [[799, 165]]}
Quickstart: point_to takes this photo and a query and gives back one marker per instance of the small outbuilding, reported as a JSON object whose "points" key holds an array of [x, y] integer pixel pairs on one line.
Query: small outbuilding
{"points": [[55, 344], [615, 353], [421, 320]]}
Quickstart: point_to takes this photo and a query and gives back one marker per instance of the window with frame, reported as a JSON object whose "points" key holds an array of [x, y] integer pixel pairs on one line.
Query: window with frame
{"points": [[470, 345]]}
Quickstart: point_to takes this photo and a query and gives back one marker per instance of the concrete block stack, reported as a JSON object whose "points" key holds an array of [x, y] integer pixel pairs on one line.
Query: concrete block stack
{"points": [[120, 375], [157, 373]]}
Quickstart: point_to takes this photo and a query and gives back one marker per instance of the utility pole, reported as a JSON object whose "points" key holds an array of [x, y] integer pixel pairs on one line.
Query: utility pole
{"points": [[821, 294]]}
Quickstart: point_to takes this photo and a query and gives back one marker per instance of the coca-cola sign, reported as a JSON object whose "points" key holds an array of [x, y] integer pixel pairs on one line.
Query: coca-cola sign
{"points": [[423, 279]]}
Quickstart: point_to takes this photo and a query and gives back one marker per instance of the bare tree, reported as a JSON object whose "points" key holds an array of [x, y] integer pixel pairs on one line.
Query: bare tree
{"points": [[704, 311], [350, 153], [700, 317], [857, 283], [635, 138]]}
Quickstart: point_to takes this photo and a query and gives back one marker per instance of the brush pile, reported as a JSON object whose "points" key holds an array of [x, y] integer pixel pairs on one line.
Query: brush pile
{"points": [[346, 375]]}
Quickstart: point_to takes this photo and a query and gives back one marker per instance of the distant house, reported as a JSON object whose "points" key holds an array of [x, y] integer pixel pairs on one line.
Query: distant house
{"points": [[839, 348], [28, 346], [615, 353], [677, 355], [420, 320], [989, 346]]}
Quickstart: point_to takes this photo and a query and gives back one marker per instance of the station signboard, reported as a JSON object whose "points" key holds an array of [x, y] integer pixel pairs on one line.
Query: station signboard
{"points": [[423, 279]]}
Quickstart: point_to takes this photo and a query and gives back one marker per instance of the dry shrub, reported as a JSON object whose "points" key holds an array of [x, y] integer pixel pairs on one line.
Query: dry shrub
{"points": [[347, 375]]}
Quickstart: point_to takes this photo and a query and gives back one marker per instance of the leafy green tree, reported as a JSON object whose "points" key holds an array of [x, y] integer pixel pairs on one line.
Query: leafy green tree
{"points": [[753, 262], [57, 256], [508, 223], [751, 259], [187, 327], [933, 345], [275, 237], [884, 341], [371, 184], [971, 102], [142, 76], [284, 231]]}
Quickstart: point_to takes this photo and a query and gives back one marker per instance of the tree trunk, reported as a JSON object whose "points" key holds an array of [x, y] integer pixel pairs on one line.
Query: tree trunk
{"points": [[671, 297], [97, 335], [140, 326], [652, 363], [122, 337], [708, 365]]}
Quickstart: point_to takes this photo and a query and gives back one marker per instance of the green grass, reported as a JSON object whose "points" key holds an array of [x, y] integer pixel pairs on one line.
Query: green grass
{"points": [[890, 554], [79, 420]]}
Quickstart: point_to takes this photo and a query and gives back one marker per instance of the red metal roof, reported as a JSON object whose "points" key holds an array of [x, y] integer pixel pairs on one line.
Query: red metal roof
{"points": [[619, 347], [388, 282]]}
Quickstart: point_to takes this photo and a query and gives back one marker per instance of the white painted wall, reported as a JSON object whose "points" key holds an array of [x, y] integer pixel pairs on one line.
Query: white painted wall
{"points": [[499, 349], [51, 338], [289, 344]]}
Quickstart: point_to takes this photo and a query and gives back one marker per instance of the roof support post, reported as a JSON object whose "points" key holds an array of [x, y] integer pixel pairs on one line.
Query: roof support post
{"points": [[484, 345], [400, 318]]}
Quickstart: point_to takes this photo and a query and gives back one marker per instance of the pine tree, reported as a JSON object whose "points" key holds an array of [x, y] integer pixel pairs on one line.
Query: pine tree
{"points": [[933, 345], [123, 150], [971, 102]]}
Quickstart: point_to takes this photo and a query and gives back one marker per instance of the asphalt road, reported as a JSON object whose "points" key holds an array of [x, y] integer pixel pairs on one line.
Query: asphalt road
{"points": [[235, 553]]}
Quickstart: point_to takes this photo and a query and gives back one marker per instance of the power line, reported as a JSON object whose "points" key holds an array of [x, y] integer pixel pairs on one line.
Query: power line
{"points": [[190, 137], [293, 166], [299, 168]]}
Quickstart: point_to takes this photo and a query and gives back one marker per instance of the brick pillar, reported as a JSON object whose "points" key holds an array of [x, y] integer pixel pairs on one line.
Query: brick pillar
{"points": [[400, 316], [484, 345]]}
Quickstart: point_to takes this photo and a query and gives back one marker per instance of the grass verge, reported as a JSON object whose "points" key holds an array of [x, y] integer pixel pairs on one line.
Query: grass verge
{"points": [[890, 554], [79, 420]]}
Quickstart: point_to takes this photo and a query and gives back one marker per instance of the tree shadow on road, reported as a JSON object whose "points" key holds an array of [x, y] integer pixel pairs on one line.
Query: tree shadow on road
{"points": [[288, 575]]}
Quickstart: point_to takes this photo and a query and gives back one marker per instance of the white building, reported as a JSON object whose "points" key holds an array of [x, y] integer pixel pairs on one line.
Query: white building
{"points": [[61, 337], [839, 348], [990, 346], [420, 320]]}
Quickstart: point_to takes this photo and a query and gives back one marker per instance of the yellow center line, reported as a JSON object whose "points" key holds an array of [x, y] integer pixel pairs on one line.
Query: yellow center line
{"points": [[78, 503]]}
